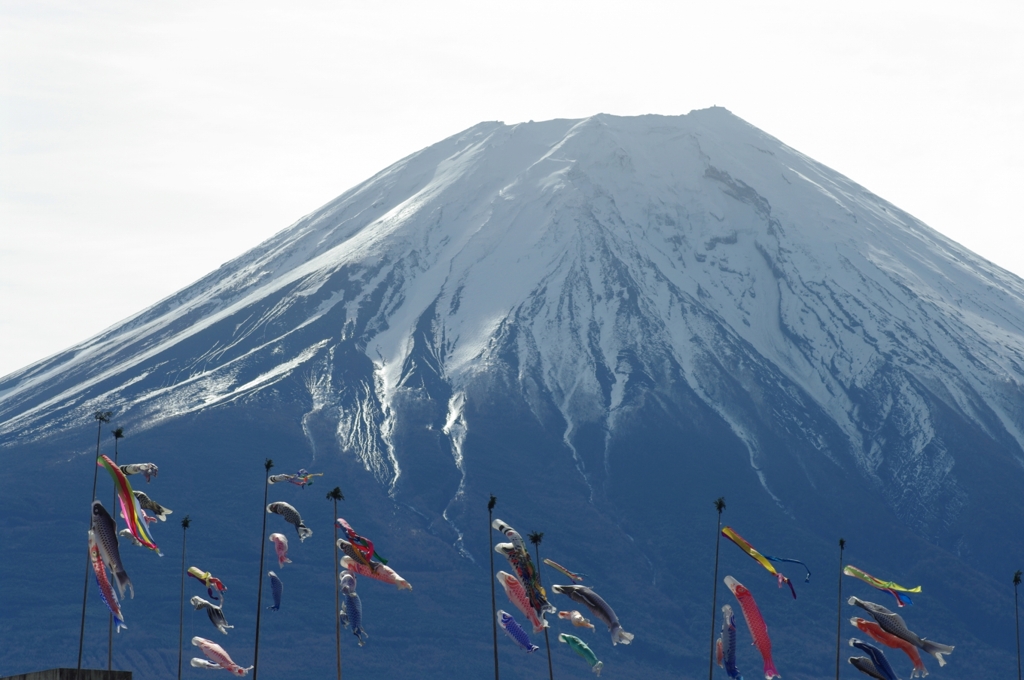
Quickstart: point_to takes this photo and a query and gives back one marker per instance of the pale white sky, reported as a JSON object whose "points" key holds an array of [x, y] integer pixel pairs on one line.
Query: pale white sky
{"points": [[144, 144]]}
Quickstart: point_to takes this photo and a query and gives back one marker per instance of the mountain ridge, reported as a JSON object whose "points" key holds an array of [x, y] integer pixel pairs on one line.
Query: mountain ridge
{"points": [[667, 280], [310, 252]]}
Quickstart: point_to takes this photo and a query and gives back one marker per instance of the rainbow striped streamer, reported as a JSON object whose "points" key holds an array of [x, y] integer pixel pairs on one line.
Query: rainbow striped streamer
{"points": [[130, 509]]}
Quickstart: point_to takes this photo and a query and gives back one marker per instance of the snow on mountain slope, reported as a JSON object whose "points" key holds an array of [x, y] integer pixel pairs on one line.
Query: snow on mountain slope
{"points": [[594, 256]]}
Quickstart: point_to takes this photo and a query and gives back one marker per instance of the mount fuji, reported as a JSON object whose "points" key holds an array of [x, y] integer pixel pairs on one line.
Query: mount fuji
{"points": [[606, 323]]}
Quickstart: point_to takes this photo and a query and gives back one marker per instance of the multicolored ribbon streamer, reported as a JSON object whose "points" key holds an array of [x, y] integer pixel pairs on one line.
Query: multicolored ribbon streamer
{"points": [[363, 546], [761, 559], [208, 580], [894, 589]]}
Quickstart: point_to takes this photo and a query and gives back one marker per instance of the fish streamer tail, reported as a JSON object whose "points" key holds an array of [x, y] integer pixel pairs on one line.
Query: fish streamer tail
{"points": [[597, 668], [124, 583], [936, 650], [621, 636], [360, 634], [304, 532], [769, 670]]}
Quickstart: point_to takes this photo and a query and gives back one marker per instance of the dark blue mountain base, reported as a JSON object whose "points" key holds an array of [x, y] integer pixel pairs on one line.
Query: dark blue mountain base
{"points": [[646, 541]]}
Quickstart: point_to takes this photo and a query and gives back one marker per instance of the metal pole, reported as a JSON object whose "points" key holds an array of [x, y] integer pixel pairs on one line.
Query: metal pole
{"points": [[1016, 618], [118, 433], [181, 603], [494, 606], [336, 495], [719, 505], [536, 537], [267, 464], [337, 604], [839, 602], [101, 417]]}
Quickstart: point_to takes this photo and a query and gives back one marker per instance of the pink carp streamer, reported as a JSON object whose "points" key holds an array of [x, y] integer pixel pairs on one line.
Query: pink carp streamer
{"points": [[281, 548], [376, 570], [130, 509], [756, 624], [218, 656], [517, 595]]}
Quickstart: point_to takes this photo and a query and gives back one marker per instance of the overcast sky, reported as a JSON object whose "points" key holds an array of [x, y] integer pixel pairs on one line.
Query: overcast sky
{"points": [[144, 144]]}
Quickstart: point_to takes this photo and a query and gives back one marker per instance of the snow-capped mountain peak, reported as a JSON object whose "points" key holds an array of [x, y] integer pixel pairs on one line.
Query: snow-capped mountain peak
{"points": [[599, 257]]}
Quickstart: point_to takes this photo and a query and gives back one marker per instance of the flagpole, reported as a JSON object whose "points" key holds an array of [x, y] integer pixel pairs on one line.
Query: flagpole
{"points": [[101, 417], [181, 602], [259, 593], [839, 602]]}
